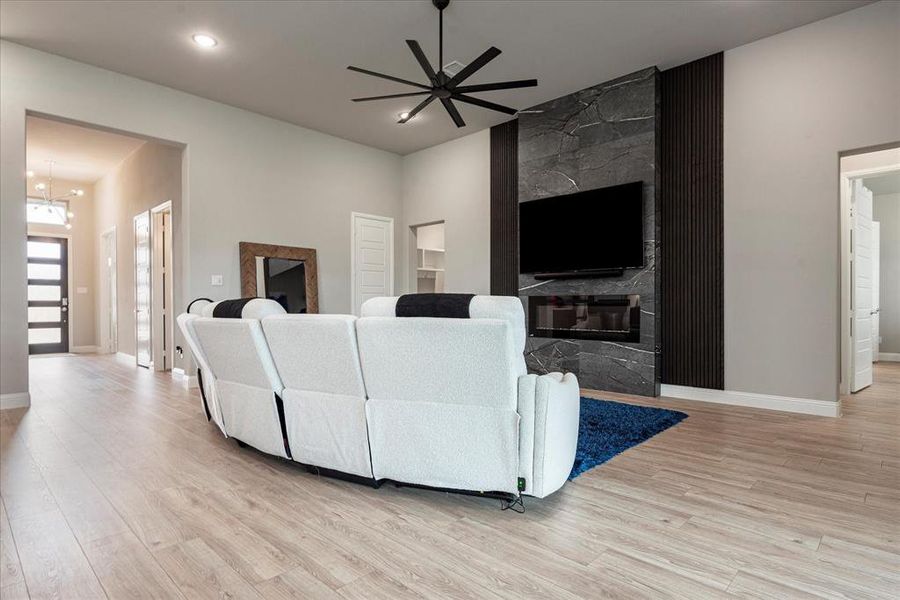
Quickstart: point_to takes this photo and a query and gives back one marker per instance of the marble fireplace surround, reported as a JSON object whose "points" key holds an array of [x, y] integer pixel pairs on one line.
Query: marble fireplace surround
{"points": [[600, 136]]}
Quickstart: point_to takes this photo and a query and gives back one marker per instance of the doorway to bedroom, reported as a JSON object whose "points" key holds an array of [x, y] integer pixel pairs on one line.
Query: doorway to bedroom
{"points": [[870, 264]]}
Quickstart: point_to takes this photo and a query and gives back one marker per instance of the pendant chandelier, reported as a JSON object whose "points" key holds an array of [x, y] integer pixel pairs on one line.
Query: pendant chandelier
{"points": [[53, 202]]}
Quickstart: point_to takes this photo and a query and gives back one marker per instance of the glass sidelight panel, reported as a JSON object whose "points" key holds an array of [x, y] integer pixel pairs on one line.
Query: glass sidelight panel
{"points": [[44, 314], [44, 271], [44, 293], [44, 249], [50, 335]]}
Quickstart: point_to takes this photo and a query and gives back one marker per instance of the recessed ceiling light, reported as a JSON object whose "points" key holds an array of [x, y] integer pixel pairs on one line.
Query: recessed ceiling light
{"points": [[204, 41]]}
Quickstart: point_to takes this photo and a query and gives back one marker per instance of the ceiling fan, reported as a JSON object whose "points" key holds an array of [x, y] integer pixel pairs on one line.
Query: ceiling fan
{"points": [[444, 87]]}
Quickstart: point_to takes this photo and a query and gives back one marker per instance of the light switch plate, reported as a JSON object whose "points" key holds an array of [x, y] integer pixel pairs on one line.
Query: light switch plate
{"points": [[81, 290], [216, 280]]}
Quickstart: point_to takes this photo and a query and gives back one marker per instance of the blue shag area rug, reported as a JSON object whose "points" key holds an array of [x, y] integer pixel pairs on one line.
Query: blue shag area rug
{"points": [[610, 428]]}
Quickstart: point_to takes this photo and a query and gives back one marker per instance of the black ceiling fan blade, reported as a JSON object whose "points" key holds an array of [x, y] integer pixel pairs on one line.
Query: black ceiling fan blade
{"points": [[369, 98], [488, 55], [484, 104], [390, 77], [423, 61], [454, 114], [500, 85], [416, 110]]}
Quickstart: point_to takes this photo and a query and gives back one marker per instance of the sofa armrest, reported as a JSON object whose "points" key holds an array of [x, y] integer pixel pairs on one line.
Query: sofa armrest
{"points": [[549, 408]]}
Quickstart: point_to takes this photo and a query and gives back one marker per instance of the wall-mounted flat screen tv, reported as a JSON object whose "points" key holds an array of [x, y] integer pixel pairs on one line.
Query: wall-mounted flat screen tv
{"points": [[586, 231]]}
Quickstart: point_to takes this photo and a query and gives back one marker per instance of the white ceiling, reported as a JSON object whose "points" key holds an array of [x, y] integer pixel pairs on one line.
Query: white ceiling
{"points": [[80, 154], [288, 59]]}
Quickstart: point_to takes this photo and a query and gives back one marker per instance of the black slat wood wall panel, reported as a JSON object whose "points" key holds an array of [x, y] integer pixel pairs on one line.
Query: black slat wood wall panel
{"points": [[691, 207], [505, 209]]}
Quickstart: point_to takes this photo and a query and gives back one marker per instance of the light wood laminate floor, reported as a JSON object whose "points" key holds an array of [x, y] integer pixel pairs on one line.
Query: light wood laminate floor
{"points": [[114, 485]]}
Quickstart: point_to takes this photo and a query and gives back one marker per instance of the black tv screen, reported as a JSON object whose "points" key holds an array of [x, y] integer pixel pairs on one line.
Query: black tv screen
{"points": [[594, 229]]}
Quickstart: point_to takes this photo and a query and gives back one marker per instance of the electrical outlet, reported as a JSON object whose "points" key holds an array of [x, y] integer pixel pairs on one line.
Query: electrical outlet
{"points": [[216, 280]]}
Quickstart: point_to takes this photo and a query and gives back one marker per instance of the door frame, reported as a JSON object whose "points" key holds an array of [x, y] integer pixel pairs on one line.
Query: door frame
{"points": [[846, 271], [163, 357], [113, 299], [70, 273], [390, 221]]}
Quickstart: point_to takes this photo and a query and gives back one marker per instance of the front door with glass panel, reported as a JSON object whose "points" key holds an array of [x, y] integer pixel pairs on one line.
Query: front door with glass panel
{"points": [[48, 295]]}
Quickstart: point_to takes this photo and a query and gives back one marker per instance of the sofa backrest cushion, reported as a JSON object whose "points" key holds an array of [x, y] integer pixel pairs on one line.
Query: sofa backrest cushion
{"points": [[457, 361], [316, 353], [235, 348], [505, 308]]}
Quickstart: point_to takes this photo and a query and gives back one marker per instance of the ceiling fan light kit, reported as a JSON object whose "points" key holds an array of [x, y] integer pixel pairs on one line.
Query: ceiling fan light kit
{"points": [[444, 87]]}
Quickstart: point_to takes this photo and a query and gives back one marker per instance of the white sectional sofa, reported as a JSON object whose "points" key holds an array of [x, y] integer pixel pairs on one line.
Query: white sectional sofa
{"points": [[438, 396]]}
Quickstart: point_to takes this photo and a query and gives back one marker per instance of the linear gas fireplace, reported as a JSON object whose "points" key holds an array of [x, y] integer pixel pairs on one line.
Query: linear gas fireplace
{"points": [[607, 317]]}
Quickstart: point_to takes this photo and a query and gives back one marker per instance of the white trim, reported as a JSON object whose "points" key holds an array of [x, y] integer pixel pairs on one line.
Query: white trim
{"points": [[188, 381], [889, 356], [125, 356], [390, 221], [807, 406], [870, 171], [16, 400], [84, 349]]}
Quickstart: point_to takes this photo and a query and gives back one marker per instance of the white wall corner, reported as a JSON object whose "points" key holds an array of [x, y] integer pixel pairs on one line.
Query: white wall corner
{"points": [[17, 400], [889, 356], [806, 406]]}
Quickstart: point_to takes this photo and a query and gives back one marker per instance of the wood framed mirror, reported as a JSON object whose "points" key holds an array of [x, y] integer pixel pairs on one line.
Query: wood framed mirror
{"points": [[286, 274]]}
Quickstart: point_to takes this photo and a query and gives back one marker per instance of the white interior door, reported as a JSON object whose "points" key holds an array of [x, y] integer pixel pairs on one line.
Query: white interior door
{"points": [[162, 330], [108, 301], [861, 307], [142, 290], [372, 259], [876, 289]]}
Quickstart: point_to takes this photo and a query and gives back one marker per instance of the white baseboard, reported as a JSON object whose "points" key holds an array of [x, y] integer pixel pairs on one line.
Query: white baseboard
{"points": [[125, 356], [84, 349], [889, 356], [188, 381], [16, 400], [807, 406]]}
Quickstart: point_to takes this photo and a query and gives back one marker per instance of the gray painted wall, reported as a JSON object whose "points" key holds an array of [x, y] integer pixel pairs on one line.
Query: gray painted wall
{"points": [[792, 103], [246, 178], [887, 212], [148, 177], [451, 183], [601, 136]]}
